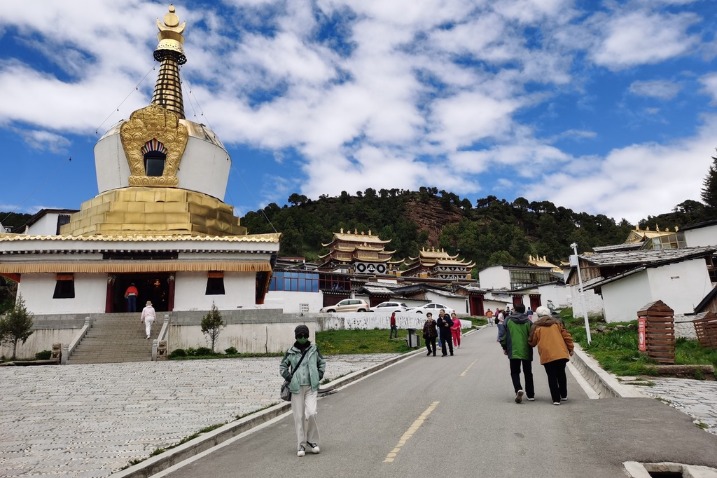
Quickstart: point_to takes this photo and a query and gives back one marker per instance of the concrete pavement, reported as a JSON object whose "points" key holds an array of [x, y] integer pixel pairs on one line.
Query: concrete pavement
{"points": [[92, 420]]}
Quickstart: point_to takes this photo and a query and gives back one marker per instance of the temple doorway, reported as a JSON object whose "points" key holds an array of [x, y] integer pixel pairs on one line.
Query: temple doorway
{"points": [[155, 286]]}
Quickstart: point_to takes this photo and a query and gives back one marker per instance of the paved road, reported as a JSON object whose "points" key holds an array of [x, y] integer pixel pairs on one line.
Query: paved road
{"points": [[455, 416]]}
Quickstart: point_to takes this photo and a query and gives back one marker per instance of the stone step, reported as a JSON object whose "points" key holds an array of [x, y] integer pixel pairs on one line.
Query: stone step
{"points": [[115, 338]]}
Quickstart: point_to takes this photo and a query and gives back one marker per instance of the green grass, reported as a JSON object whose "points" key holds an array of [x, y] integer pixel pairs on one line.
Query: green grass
{"points": [[616, 347], [332, 342]]}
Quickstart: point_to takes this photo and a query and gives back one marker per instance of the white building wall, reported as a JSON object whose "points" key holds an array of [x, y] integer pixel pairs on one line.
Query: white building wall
{"points": [[681, 286], [190, 288], [704, 236], [623, 298], [593, 301], [45, 226], [111, 163], [559, 295], [495, 277], [292, 302], [41, 339], [90, 294]]}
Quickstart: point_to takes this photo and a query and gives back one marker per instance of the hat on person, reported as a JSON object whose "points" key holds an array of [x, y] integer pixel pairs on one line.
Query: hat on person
{"points": [[149, 302], [301, 330]]}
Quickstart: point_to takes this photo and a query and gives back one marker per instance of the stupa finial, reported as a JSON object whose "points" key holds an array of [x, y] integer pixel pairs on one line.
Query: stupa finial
{"points": [[170, 53]]}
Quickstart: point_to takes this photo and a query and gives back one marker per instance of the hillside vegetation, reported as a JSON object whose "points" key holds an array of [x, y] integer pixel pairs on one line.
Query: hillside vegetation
{"points": [[493, 231]]}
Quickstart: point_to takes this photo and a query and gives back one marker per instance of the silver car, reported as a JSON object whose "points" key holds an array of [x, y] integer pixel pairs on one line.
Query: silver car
{"points": [[390, 306], [347, 305]]}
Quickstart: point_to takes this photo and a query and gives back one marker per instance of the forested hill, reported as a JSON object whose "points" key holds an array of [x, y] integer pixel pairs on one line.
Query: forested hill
{"points": [[493, 231]]}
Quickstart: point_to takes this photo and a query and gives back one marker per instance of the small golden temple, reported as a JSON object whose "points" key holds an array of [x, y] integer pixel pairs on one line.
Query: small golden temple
{"points": [[438, 264], [357, 252]]}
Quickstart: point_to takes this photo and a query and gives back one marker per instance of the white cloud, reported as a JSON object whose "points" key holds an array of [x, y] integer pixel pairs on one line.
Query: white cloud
{"points": [[637, 180], [661, 89], [709, 83], [45, 140], [642, 37]]}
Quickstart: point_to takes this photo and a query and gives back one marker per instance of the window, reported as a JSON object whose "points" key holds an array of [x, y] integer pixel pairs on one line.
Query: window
{"points": [[64, 287], [155, 154], [294, 281], [215, 283]]}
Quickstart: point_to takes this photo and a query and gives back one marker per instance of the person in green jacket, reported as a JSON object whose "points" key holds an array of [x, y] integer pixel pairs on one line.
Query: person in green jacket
{"points": [[304, 387], [514, 340]]}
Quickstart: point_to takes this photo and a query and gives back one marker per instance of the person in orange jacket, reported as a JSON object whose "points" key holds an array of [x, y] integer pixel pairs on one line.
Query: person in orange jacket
{"points": [[555, 347]]}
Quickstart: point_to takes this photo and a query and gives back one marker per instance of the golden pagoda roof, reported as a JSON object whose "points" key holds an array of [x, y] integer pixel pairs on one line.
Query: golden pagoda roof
{"points": [[435, 254], [639, 235], [268, 238], [361, 237]]}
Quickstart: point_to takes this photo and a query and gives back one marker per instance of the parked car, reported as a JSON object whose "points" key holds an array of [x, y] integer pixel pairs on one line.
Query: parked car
{"points": [[432, 307], [348, 305], [390, 306]]}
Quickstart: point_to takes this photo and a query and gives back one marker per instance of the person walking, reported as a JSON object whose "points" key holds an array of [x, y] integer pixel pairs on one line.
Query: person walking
{"points": [[130, 294], [444, 323], [394, 329], [516, 332], [308, 366], [489, 316], [500, 322], [456, 330], [555, 347], [148, 316], [429, 334]]}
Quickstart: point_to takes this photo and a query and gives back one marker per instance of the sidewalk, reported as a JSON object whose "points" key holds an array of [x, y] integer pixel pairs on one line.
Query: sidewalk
{"points": [[697, 398], [92, 420]]}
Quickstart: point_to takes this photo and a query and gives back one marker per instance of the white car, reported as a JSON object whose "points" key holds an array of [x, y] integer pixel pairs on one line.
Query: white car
{"points": [[390, 307], [432, 307], [348, 305]]}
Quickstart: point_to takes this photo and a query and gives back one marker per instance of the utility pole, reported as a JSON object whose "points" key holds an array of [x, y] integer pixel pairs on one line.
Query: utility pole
{"points": [[575, 261]]}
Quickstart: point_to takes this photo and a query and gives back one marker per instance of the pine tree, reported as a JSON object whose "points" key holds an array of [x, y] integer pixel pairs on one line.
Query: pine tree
{"points": [[709, 190], [16, 326]]}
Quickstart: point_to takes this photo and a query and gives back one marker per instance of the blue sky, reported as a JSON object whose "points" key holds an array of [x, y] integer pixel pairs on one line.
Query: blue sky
{"points": [[600, 106]]}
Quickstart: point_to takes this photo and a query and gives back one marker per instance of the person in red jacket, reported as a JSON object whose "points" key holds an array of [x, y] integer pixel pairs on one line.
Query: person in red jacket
{"points": [[131, 295], [555, 346], [456, 330]]}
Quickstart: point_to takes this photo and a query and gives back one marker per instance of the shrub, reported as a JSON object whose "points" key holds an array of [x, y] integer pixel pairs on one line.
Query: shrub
{"points": [[203, 351], [212, 324], [44, 355], [178, 353], [16, 326], [231, 351]]}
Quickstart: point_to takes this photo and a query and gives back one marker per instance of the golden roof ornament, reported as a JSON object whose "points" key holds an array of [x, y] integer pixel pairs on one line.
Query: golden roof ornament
{"points": [[170, 54]]}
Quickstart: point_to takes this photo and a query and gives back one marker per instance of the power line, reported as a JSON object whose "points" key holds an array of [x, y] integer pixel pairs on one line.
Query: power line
{"points": [[136, 88]]}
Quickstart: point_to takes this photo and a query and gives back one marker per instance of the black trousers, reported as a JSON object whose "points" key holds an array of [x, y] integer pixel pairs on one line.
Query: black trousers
{"points": [[527, 365], [446, 340], [557, 382], [394, 332], [431, 345]]}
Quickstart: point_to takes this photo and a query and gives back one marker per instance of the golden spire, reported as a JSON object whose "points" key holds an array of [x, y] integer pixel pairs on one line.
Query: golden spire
{"points": [[170, 54]]}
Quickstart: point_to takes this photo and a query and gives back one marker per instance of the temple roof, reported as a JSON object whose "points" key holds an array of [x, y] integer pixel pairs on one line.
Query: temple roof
{"points": [[269, 238], [361, 237]]}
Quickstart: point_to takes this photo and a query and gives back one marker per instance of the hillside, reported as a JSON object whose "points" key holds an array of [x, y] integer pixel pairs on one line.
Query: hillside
{"points": [[491, 232]]}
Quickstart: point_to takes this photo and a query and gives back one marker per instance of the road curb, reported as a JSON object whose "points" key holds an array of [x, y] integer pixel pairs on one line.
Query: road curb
{"points": [[208, 440], [605, 384]]}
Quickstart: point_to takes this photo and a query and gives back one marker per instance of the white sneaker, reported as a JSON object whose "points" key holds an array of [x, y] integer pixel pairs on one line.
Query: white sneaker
{"points": [[556, 403], [300, 451], [563, 399], [531, 399], [313, 448], [519, 396]]}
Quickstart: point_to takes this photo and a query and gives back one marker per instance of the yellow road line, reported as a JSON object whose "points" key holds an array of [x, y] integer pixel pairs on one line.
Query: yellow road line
{"points": [[409, 433], [468, 368]]}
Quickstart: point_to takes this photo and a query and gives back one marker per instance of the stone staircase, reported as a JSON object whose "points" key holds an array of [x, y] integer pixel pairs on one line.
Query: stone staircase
{"points": [[115, 338]]}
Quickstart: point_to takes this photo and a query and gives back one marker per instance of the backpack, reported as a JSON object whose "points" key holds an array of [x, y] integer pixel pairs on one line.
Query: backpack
{"points": [[496, 320]]}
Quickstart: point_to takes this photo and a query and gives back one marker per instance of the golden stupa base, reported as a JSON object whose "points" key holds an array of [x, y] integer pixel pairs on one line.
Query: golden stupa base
{"points": [[154, 211]]}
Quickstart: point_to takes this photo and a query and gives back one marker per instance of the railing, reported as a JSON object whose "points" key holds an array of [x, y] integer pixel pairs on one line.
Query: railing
{"points": [[160, 353], [68, 349]]}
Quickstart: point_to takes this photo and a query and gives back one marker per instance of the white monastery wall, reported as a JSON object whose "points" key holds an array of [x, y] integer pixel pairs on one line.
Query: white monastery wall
{"points": [[681, 286], [704, 236], [625, 297], [293, 302], [246, 338], [368, 321], [495, 277], [41, 339], [204, 168], [190, 288], [37, 291]]}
